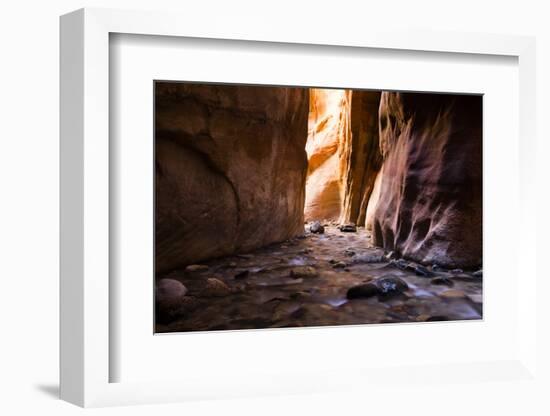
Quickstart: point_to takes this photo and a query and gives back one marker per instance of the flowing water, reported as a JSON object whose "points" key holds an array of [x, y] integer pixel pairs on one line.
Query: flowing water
{"points": [[262, 293]]}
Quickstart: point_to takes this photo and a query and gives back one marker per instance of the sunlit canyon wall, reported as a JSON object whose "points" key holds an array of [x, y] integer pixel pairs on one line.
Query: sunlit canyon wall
{"points": [[230, 169], [343, 154]]}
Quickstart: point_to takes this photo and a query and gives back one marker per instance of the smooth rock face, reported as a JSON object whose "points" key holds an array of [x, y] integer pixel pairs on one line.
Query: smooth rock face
{"points": [[429, 207], [362, 158], [230, 169], [328, 132]]}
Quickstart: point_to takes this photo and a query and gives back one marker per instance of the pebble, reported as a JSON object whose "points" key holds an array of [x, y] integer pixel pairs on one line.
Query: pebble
{"points": [[479, 273], [303, 271], [457, 271], [391, 285], [317, 228], [196, 268], [348, 228], [400, 264], [215, 288], [169, 292], [453, 294], [420, 270], [339, 265]]}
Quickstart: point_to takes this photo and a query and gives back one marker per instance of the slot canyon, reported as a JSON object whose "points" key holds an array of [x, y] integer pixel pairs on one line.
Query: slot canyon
{"points": [[292, 207]]}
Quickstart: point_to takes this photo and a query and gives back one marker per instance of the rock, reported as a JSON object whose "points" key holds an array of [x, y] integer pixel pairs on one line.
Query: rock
{"points": [[437, 268], [226, 158], [317, 228], [232, 264], [429, 206], [196, 268], [215, 288], [365, 290], [303, 271], [349, 252], [453, 294], [169, 292], [241, 275], [421, 271], [457, 271], [339, 265], [390, 285], [442, 281], [400, 264], [479, 273], [348, 228]]}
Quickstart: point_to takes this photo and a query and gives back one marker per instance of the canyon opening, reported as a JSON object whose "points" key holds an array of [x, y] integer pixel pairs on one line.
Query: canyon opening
{"points": [[293, 207]]}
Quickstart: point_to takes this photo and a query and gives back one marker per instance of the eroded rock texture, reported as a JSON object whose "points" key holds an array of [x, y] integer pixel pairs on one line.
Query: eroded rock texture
{"points": [[230, 169], [429, 207], [361, 156], [329, 130]]}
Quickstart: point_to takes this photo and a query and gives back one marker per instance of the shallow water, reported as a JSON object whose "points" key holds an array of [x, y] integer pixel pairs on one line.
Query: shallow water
{"points": [[268, 296]]}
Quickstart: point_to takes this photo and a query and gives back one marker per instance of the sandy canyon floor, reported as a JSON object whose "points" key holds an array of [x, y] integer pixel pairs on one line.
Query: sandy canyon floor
{"points": [[333, 278]]}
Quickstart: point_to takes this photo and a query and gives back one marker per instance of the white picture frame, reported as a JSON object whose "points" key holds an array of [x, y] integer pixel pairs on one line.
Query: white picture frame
{"points": [[85, 165]]}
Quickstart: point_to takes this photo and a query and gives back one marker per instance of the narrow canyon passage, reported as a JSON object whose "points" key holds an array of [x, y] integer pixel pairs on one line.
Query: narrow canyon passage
{"points": [[290, 207]]}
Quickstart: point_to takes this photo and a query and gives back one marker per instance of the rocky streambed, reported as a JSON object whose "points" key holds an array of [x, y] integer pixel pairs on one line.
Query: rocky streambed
{"points": [[332, 276]]}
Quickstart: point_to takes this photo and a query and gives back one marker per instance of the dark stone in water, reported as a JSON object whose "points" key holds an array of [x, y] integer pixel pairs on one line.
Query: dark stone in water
{"points": [[385, 287], [365, 290], [421, 271], [317, 228], [389, 285], [348, 228], [442, 281], [242, 275]]}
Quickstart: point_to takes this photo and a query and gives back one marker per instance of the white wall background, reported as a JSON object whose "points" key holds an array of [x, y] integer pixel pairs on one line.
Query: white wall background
{"points": [[29, 116]]}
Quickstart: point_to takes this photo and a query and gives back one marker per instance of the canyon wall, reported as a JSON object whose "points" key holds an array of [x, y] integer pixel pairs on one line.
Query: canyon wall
{"points": [[328, 133], [429, 205], [230, 169], [343, 153], [361, 156]]}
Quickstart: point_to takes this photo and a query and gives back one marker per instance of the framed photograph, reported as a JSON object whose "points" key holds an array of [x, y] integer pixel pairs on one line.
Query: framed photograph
{"points": [[282, 213]]}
